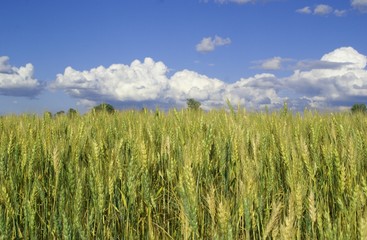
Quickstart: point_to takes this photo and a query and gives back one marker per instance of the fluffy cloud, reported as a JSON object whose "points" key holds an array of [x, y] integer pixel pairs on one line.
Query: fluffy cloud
{"points": [[347, 55], [4, 65], [147, 83], [274, 63], [256, 92], [337, 79], [342, 84], [360, 5], [188, 84], [141, 81], [209, 44], [18, 81], [323, 9]]}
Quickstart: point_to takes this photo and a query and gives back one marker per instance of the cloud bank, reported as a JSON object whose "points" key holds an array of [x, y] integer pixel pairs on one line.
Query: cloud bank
{"points": [[337, 79], [18, 81], [147, 82]]}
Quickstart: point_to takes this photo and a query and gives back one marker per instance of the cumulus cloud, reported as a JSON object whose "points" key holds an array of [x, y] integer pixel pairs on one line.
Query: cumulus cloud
{"points": [[338, 79], [147, 83], [209, 44], [344, 83], [140, 81], [361, 5], [188, 84], [256, 92], [322, 10], [18, 81], [4, 65], [348, 56]]}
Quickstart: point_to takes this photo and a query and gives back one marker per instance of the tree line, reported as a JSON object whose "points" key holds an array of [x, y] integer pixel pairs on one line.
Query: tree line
{"points": [[191, 103]]}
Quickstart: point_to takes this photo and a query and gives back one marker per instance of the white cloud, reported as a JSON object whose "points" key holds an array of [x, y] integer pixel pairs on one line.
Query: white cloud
{"points": [[338, 79], [348, 55], [206, 45], [333, 86], [323, 9], [148, 83], [340, 13], [274, 63], [86, 103], [209, 44], [138, 82], [256, 92], [18, 81], [4, 65], [188, 84], [360, 5], [304, 10]]}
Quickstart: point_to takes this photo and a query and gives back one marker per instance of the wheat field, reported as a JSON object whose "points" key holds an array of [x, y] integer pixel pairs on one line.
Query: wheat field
{"points": [[184, 174]]}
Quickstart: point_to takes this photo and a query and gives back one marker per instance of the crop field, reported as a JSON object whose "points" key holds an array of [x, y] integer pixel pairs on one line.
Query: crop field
{"points": [[184, 175]]}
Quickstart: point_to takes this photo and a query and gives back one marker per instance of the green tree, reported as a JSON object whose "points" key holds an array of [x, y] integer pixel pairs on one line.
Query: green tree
{"points": [[104, 107], [47, 115], [72, 112], [193, 104], [59, 113], [359, 108]]}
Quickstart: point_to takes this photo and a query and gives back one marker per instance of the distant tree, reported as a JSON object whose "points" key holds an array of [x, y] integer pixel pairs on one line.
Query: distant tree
{"points": [[193, 104], [359, 108], [59, 113], [104, 107], [72, 112], [47, 115]]}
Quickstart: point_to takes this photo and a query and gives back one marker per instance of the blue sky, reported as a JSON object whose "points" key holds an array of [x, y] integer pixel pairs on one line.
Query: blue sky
{"points": [[56, 55]]}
